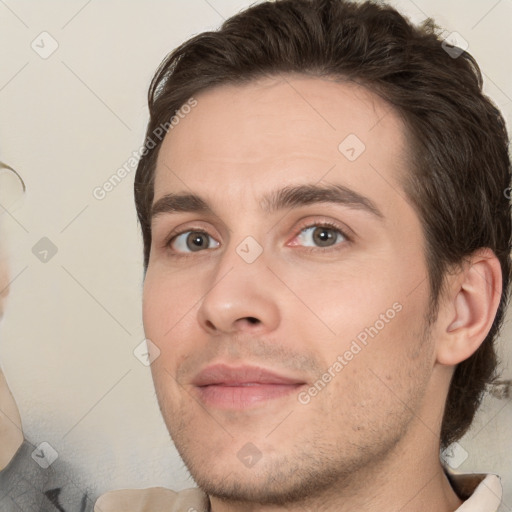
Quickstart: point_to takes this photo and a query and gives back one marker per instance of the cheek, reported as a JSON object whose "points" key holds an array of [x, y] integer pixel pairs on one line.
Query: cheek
{"points": [[169, 313], [153, 308], [370, 319], [342, 303], [161, 311], [166, 302], [384, 365]]}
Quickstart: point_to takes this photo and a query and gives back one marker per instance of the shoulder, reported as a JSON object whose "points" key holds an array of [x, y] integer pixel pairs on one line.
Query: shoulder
{"points": [[480, 492], [154, 499]]}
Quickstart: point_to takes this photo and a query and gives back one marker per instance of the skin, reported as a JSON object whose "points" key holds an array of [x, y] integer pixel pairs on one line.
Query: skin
{"points": [[369, 440]]}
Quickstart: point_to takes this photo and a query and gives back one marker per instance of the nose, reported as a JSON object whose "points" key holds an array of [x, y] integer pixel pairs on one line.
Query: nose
{"points": [[241, 297]]}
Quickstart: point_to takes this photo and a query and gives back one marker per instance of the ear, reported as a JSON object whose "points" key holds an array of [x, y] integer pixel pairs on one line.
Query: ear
{"points": [[467, 312]]}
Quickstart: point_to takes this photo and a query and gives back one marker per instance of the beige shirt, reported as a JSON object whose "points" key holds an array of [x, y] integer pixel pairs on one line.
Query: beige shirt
{"points": [[481, 492]]}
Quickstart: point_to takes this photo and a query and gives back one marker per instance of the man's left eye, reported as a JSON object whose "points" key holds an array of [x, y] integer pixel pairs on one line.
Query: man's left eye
{"points": [[321, 236]]}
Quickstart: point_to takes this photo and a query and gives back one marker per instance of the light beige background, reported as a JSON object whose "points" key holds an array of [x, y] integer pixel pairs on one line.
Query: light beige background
{"points": [[67, 123]]}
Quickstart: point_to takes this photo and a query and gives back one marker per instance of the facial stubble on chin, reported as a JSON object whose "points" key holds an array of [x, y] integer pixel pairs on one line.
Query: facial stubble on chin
{"points": [[310, 471]]}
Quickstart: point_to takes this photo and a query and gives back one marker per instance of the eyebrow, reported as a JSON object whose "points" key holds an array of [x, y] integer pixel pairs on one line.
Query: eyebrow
{"points": [[286, 197]]}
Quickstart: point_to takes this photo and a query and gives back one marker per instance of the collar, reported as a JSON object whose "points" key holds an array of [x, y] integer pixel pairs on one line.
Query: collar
{"points": [[480, 492]]}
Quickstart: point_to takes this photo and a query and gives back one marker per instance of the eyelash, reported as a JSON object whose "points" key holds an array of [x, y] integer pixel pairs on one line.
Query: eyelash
{"points": [[323, 224]]}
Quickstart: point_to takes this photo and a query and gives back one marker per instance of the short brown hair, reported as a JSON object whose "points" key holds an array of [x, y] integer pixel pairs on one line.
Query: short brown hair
{"points": [[460, 171]]}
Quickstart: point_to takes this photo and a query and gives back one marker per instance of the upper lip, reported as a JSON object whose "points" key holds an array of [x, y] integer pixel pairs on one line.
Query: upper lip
{"points": [[223, 374]]}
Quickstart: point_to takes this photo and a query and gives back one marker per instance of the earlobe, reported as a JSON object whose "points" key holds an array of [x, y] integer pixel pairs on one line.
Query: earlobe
{"points": [[471, 308]]}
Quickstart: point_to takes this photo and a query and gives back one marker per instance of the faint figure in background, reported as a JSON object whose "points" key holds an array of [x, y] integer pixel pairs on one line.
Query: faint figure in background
{"points": [[31, 479]]}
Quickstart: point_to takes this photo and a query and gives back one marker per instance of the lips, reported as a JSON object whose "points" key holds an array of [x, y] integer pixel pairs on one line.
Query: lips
{"points": [[229, 387]]}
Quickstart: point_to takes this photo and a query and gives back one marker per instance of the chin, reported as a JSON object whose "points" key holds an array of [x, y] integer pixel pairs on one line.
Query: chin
{"points": [[279, 480], [236, 485]]}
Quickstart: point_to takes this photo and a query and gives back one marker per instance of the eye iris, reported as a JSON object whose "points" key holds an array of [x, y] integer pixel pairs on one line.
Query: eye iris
{"points": [[195, 241], [324, 236]]}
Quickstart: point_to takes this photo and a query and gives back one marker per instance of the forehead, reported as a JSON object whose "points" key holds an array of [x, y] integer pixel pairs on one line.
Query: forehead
{"points": [[282, 128]]}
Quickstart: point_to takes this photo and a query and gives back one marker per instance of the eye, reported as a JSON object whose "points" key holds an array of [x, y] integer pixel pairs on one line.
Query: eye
{"points": [[321, 235], [192, 241]]}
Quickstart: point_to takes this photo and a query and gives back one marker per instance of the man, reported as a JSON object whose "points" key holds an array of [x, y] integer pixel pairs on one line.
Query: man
{"points": [[327, 253], [327, 261]]}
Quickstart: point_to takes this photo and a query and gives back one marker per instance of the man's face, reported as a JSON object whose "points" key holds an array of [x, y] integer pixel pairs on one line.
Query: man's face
{"points": [[325, 292]]}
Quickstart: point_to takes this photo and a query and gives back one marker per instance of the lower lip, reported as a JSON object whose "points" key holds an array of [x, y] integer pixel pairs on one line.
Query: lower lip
{"points": [[243, 397]]}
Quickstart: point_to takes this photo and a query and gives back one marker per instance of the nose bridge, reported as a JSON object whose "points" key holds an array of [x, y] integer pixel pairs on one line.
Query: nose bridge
{"points": [[240, 288], [243, 264], [244, 245]]}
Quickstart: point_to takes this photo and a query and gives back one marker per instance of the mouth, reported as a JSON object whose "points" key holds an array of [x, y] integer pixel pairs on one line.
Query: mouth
{"points": [[227, 387]]}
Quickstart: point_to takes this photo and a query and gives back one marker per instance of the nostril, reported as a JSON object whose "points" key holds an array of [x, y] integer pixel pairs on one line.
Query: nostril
{"points": [[252, 320]]}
